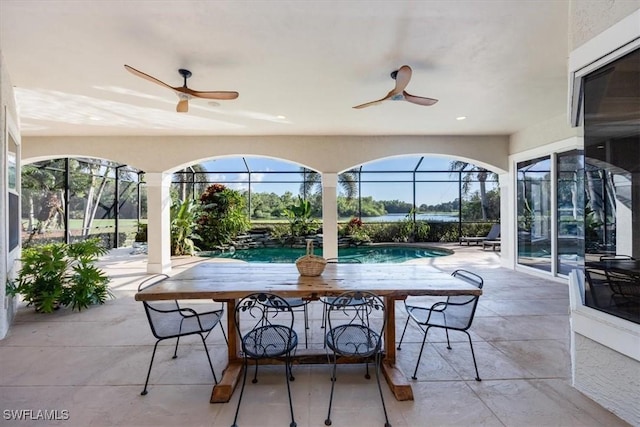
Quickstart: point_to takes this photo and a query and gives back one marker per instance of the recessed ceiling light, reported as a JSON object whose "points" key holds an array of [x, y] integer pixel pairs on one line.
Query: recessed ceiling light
{"points": [[461, 118]]}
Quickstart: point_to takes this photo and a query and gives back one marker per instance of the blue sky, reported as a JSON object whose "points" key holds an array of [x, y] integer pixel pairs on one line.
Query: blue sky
{"points": [[228, 170]]}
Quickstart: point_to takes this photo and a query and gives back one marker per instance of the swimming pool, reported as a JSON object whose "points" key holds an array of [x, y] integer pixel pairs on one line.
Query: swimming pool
{"points": [[366, 254]]}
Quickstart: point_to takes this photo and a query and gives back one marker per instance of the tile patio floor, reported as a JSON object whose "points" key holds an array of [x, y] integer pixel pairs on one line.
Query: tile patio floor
{"points": [[93, 365]]}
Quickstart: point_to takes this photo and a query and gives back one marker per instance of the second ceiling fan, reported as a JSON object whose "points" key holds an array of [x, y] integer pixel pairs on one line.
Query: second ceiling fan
{"points": [[402, 76], [184, 93]]}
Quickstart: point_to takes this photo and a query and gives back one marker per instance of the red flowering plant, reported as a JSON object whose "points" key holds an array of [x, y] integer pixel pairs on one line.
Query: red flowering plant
{"points": [[354, 229]]}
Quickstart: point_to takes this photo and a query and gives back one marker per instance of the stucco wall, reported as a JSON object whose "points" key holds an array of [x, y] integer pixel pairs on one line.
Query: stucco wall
{"points": [[589, 18], [552, 130], [614, 384], [321, 153]]}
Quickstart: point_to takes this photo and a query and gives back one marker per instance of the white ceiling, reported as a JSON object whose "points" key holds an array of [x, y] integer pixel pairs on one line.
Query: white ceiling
{"points": [[502, 64]]}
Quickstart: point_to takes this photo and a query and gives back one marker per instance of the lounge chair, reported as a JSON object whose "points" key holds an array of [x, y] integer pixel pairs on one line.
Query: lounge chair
{"points": [[493, 244], [493, 235]]}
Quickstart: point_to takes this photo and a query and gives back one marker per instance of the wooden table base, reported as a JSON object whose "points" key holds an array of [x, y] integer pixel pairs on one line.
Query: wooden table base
{"points": [[223, 391]]}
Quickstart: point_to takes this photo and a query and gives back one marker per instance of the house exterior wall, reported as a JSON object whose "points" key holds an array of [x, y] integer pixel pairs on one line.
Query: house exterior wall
{"points": [[605, 350], [588, 18], [7, 259]]}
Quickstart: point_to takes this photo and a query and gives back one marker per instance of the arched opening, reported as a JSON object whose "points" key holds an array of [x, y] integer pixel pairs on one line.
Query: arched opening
{"points": [[72, 198]]}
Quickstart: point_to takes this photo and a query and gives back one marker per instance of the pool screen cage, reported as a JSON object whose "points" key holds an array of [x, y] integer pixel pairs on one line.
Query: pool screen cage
{"points": [[462, 194], [70, 199]]}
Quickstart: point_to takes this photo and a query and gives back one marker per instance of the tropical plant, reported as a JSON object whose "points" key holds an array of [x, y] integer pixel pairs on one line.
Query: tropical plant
{"points": [[410, 230], [183, 223], [222, 216], [60, 274], [300, 221]]}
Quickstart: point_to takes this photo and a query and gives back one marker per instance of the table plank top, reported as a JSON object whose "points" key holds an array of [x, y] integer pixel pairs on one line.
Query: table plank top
{"points": [[225, 281]]}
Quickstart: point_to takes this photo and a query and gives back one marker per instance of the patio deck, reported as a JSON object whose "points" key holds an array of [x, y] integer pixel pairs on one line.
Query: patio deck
{"points": [[93, 365]]}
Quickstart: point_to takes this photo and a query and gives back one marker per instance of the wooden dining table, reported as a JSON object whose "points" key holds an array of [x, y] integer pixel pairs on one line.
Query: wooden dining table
{"points": [[228, 282]]}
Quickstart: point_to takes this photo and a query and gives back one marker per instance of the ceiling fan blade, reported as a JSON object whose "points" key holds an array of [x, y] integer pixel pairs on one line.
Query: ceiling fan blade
{"points": [[403, 76], [221, 94], [372, 103], [147, 77], [420, 100], [183, 106]]}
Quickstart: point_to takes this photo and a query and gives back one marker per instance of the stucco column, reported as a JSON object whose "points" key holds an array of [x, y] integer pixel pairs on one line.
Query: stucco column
{"points": [[508, 237], [329, 215], [159, 222]]}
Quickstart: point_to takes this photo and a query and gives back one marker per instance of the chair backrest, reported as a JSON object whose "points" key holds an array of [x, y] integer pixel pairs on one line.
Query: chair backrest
{"points": [[625, 285], [460, 309], [494, 233], [262, 309], [359, 308], [161, 315]]}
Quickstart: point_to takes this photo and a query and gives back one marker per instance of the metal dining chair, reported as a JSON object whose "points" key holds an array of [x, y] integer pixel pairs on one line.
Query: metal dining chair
{"points": [[328, 300], [356, 321], [269, 335], [455, 313], [168, 319]]}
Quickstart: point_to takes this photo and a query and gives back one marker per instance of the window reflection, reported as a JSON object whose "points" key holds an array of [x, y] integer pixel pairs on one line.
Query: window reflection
{"points": [[534, 213], [570, 216], [612, 187]]}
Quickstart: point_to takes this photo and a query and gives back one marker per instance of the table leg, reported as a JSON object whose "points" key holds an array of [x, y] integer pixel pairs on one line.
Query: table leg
{"points": [[224, 389], [396, 379]]}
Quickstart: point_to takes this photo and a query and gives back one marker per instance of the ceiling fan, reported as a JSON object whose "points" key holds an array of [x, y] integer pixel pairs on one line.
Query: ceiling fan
{"points": [[183, 92], [402, 77]]}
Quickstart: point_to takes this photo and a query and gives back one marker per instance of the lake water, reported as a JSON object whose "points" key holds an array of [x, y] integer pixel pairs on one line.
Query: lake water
{"points": [[420, 217]]}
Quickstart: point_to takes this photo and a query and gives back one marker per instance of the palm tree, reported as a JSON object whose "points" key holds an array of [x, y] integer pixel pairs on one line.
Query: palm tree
{"points": [[348, 182], [472, 171], [199, 175]]}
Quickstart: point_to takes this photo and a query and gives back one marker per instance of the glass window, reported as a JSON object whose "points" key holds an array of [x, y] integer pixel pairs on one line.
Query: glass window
{"points": [[534, 213], [612, 187], [570, 216]]}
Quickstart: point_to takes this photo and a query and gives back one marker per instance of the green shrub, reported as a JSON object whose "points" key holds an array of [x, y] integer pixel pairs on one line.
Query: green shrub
{"points": [[222, 216], [60, 274]]}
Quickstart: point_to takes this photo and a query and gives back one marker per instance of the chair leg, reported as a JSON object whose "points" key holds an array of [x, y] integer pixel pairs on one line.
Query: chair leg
{"points": [[384, 407], [306, 325], [403, 331], [446, 331], [424, 340], [473, 355], [327, 422], [224, 334], [204, 343], [324, 316], [255, 374], [149, 371], [175, 352], [286, 374], [244, 381]]}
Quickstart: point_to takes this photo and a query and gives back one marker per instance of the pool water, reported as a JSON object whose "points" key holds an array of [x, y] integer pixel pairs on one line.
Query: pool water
{"points": [[365, 254]]}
